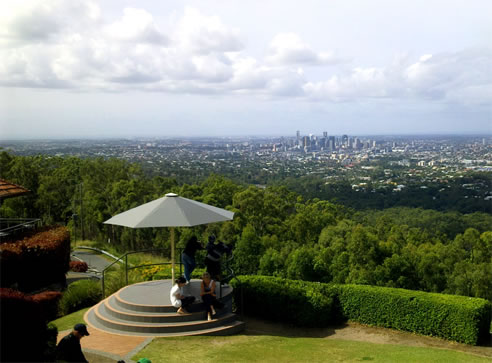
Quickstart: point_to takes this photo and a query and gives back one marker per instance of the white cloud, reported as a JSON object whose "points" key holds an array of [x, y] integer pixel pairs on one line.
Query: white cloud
{"points": [[199, 33], [136, 25], [288, 48], [40, 21], [440, 77], [56, 44]]}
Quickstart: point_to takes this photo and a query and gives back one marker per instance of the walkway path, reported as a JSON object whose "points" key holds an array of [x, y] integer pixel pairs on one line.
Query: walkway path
{"points": [[93, 259], [109, 347]]}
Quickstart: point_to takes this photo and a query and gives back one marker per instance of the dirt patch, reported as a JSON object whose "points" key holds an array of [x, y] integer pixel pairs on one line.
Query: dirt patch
{"points": [[363, 333]]}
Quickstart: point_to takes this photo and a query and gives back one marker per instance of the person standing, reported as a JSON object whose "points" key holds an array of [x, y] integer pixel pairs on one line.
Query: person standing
{"points": [[188, 257], [178, 299], [69, 349], [214, 253]]}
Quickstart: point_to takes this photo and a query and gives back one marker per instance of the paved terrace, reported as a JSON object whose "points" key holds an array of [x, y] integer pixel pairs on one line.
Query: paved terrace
{"points": [[157, 292]]}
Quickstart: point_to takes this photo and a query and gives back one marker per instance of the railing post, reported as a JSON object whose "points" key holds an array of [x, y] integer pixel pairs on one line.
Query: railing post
{"points": [[126, 269], [242, 302], [102, 283], [180, 263]]}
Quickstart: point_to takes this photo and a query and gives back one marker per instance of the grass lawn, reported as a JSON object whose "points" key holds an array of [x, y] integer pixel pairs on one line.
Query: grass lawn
{"points": [[68, 321], [267, 348]]}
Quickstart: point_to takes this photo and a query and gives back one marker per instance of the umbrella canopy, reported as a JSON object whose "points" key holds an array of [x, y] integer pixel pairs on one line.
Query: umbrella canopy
{"points": [[171, 211]]}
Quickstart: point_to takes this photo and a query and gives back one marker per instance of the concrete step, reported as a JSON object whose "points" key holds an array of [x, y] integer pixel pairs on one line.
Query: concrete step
{"points": [[145, 309], [228, 329], [111, 308], [158, 327]]}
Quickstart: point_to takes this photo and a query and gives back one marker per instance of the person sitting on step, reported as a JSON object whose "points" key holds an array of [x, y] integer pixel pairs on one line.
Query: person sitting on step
{"points": [[207, 292], [178, 299]]}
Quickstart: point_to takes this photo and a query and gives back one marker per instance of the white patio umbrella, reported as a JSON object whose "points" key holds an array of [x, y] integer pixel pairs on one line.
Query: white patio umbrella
{"points": [[171, 211]]}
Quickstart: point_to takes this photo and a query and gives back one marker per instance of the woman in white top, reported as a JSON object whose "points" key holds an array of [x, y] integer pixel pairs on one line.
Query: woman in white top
{"points": [[207, 292], [178, 300]]}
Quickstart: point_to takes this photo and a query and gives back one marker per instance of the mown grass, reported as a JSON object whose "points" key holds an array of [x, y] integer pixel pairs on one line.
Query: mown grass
{"points": [[266, 348], [68, 321]]}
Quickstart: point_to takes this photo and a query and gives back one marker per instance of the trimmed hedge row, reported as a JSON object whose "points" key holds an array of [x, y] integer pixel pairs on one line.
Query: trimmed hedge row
{"points": [[24, 334], [452, 317], [460, 318], [292, 301], [36, 261]]}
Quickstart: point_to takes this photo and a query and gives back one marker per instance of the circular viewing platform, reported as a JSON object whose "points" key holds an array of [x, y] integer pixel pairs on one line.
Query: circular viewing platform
{"points": [[145, 309]]}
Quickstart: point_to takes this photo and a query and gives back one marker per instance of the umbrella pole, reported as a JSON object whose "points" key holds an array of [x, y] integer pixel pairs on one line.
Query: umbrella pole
{"points": [[172, 255]]}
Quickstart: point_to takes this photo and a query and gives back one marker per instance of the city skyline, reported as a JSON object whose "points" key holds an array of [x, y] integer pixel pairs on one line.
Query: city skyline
{"points": [[84, 69]]}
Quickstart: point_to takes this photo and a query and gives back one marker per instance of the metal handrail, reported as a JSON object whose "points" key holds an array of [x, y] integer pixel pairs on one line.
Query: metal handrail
{"points": [[16, 224], [231, 274], [106, 253], [230, 277], [125, 257]]}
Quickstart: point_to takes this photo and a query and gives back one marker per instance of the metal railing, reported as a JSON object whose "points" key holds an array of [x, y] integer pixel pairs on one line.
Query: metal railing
{"points": [[231, 276], [124, 260], [12, 226]]}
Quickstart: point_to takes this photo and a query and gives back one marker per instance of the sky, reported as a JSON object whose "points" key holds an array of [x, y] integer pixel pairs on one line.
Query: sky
{"points": [[121, 68]]}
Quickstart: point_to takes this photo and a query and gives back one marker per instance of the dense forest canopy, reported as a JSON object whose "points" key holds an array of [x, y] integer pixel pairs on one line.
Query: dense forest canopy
{"points": [[277, 230]]}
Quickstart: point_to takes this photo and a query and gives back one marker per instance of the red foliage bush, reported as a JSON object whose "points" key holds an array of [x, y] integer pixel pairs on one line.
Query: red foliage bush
{"points": [[24, 320], [35, 261], [78, 266], [47, 303], [44, 305]]}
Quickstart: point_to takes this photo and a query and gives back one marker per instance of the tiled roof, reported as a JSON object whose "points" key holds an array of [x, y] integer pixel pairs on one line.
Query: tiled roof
{"points": [[9, 190]]}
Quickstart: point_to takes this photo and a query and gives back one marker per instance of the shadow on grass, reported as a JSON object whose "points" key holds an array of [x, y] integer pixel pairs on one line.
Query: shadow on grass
{"points": [[256, 326]]}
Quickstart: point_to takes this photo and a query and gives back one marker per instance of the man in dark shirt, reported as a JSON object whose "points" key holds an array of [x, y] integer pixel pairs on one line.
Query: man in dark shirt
{"points": [[214, 253], [69, 349]]}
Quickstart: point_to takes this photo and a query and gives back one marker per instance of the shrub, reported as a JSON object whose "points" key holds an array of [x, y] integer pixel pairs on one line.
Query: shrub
{"points": [[80, 294], [78, 266], [36, 261], [146, 273], [23, 325], [47, 302], [458, 318], [116, 279], [297, 302], [166, 274], [51, 334]]}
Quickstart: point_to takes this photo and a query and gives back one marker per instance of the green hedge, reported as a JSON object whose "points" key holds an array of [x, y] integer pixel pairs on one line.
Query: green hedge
{"points": [[452, 317], [459, 318], [80, 294], [166, 274], [292, 301]]}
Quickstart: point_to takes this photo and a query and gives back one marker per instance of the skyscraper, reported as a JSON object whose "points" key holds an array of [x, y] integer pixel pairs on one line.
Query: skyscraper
{"points": [[306, 141], [344, 140], [331, 143]]}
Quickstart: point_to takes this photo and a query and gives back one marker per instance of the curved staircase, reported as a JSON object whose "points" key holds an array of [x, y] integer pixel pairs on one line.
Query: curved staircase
{"points": [[145, 309]]}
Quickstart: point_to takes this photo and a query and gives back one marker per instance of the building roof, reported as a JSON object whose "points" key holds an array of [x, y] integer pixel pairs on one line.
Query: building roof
{"points": [[9, 190]]}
